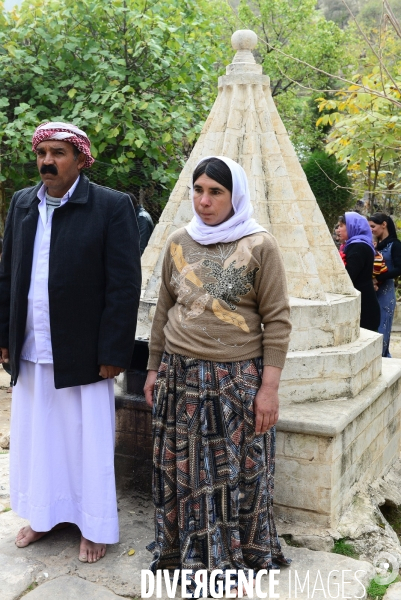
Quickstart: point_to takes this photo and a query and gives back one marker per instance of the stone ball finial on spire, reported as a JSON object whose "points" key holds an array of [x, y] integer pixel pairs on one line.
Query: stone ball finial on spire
{"points": [[244, 39]]}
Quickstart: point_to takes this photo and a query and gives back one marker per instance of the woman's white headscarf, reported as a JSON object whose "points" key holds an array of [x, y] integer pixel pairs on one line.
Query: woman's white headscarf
{"points": [[237, 226]]}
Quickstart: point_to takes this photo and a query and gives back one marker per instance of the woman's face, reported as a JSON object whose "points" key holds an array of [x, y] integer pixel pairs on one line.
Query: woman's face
{"points": [[212, 201], [379, 230], [341, 231]]}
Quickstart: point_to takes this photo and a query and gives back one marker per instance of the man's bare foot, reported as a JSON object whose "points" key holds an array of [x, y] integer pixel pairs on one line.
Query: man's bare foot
{"points": [[27, 536], [90, 552]]}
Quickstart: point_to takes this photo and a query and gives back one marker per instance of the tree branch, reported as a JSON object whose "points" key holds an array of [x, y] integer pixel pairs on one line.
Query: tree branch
{"points": [[365, 37], [363, 87]]}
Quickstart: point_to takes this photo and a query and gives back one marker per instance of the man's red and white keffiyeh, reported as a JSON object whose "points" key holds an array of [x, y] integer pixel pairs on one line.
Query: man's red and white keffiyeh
{"points": [[66, 132]]}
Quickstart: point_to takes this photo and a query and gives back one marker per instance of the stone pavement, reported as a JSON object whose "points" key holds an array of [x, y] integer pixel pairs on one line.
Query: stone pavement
{"points": [[54, 559], [50, 569]]}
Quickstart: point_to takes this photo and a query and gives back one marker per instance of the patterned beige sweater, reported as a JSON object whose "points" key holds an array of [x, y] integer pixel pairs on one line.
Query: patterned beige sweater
{"points": [[214, 300]]}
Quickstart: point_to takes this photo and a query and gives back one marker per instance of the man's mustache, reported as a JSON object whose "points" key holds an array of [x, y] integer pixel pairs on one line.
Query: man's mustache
{"points": [[52, 169]]}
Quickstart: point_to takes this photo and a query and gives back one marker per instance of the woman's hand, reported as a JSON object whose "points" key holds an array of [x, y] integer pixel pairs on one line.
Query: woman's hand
{"points": [[266, 403], [149, 387]]}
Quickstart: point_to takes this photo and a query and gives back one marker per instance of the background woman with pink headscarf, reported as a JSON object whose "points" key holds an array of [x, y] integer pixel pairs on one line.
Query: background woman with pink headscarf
{"points": [[218, 344], [358, 252]]}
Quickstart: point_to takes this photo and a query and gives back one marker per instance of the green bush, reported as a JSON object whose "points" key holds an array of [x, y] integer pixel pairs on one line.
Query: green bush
{"points": [[330, 185]]}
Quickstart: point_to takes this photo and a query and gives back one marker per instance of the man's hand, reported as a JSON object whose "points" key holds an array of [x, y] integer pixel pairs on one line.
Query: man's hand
{"points": [[4, 355], [149, 387], [266, 403], [108, 371]]}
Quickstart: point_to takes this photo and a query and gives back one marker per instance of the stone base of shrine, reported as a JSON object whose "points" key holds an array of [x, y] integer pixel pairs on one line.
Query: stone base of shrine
{"points": [[133, 449], [326, 450]]}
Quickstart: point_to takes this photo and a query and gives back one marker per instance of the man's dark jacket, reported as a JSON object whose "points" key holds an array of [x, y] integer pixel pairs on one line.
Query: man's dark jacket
{"points": [[94, 281]]}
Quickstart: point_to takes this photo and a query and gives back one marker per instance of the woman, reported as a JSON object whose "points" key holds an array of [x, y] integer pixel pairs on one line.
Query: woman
{"points": [[358, 253], [383, 229], [216, 390]]}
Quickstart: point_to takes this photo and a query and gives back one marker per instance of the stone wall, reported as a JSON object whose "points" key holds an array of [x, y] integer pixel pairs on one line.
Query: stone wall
{"points": [[340, 445]]}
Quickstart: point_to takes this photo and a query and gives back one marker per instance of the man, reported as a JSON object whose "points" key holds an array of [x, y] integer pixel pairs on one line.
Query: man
{"points": [[69, 293], [144, 220]]}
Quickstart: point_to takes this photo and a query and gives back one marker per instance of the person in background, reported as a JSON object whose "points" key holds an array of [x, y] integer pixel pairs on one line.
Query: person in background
{"points": [[218, 343], [389, 246], [145, 222], [358, 253]]}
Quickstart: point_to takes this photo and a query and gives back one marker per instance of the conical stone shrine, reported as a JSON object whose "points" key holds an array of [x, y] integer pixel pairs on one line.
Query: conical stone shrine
{"points": [[339, 423]]}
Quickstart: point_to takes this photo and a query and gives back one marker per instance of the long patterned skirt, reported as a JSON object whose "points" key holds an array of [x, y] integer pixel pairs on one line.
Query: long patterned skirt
{"points": [[212, 476]]}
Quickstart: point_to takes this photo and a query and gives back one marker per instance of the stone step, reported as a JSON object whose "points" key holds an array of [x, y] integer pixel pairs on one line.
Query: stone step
{"points": [[332, 372]]}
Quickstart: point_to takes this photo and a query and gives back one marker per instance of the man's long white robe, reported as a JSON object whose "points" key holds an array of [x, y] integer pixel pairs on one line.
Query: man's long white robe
{"points": [[62, 441]]}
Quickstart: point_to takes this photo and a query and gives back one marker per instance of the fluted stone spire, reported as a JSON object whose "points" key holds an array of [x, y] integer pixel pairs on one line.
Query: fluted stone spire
{"points": [[244, 125]]}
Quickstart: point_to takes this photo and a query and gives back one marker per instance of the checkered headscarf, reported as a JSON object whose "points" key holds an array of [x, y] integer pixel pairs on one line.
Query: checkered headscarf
{"points": [[55, 130]]}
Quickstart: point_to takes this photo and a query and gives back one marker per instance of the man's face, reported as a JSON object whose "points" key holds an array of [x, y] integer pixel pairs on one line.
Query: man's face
{"points": [[58, 166]]}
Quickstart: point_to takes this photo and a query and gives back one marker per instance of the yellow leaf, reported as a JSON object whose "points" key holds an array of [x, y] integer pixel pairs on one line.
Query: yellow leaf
{"points": [[131, 552], [181, 263], [11, 49], [229, 316]]}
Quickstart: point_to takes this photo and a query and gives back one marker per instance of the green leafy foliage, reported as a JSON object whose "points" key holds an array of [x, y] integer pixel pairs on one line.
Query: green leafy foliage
{"points": [[372, 10], [139, 77], [330, 185], [365, 135], [297, 29], [293, 30], [335, 10]]}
